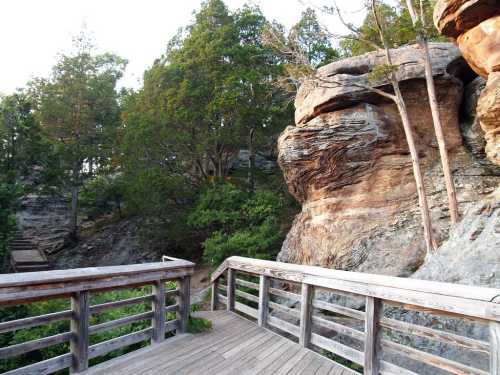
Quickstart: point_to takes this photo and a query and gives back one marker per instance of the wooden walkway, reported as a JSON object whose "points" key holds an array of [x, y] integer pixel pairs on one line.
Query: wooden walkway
{"points": [[234, 346]]}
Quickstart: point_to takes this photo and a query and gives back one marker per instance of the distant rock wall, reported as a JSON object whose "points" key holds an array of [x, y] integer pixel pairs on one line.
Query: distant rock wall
{"points": [[347, 162]]}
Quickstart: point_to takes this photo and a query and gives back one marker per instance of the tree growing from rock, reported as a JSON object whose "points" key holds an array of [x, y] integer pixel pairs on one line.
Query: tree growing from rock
{"points": [[419, 23], [387, 71], [78, 110]]}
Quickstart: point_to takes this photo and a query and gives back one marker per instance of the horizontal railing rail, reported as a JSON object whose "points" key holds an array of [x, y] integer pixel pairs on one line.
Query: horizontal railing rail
{"points": [[78, 285], [291, 298]]}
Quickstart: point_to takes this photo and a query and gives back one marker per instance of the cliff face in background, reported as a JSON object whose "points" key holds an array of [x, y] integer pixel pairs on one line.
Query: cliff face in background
{"points": [[347, 162]]}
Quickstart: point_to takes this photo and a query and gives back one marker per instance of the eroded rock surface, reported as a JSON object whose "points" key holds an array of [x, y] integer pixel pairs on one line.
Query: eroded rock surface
{"points": [[347, 162], [475, 24]]}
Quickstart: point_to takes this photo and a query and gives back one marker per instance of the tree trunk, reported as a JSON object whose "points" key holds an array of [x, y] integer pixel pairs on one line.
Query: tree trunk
{"points": [[438, 128], [403, 112], [419, 181], [251, 162], [74, 212], [73, 225]]}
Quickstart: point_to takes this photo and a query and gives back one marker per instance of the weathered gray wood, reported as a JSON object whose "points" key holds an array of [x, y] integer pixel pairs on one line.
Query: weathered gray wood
{"points": [[158, 307], [495, 348], [29, 346], [230, 289], [105, 347], [318, 304], [21, 294], [263, 300], [339, 328], [184, 303], [430, 359], [283, 293], [435, 335], [462, 300], [79, 344], [259, 266], [120, 322], [96, 309], [291, 311], [222, 298], [373, 312], [305, 315], [171, 293], [250, 311], [91, 273], [33, 321], [247, 284], [338, 348], [171, 325], [247, 296], [172, 308], [283, 325], [213, 297], [219, 271], [46, 367]]}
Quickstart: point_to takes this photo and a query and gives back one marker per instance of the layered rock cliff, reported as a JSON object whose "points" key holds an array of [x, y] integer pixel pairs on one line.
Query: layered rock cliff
{"points": [[475, 27], [346, 161]]}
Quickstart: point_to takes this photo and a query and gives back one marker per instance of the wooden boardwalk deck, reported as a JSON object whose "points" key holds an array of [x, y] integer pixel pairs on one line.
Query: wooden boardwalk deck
{"points": [[234, 346]]}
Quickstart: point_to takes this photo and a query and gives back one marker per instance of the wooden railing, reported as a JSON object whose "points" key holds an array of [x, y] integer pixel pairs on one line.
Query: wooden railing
{"points": [[78, 285], [387, 325]]}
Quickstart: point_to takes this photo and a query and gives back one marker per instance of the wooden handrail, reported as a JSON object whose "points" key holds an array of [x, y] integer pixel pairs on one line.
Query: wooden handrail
{"points": [[77, 284], [477, 304]]}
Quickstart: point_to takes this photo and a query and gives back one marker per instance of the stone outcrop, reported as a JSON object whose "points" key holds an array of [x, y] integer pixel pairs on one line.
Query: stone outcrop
{"points": [[475, 25], [347, 162]]}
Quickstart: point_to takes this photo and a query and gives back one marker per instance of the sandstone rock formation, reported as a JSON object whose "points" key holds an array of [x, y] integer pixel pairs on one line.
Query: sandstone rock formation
{"points": [[475, 24], [347, 162]]}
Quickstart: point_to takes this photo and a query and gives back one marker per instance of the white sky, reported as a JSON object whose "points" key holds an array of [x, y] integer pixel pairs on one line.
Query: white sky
{"points": [[33, 32]]}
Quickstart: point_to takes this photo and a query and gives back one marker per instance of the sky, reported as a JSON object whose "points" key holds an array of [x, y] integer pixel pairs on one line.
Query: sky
{"points": [[33, 32]]}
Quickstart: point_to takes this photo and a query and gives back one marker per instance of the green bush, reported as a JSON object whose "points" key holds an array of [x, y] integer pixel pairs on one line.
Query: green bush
{"points": [[238, 223]]}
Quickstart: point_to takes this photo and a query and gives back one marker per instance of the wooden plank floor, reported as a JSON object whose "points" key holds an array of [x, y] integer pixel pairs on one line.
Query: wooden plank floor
{"points": [[234, 346]]}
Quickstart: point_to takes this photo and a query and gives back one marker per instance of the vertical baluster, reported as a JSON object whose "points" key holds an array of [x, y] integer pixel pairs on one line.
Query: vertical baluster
{"points": [[214, 300], [230, 289], [494, 348], [184, 304], [79, 344], [372, 337], [263, 300], [158, 307], [305, 315]]}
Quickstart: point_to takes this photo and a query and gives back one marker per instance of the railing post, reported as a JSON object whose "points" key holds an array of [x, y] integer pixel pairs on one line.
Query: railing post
{"points": [[494, 348], [263, 300], [230, 289], [373, 313], [79, 344], [214, 300], [305, 315], [184, 302], [158, 307]]}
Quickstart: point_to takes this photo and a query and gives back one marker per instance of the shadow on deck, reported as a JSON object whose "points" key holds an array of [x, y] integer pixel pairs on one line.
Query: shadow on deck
{"points": [[234, 346]]}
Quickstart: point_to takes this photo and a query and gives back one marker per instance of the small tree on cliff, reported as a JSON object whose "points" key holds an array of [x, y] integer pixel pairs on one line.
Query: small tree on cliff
{"points": [[388, 70], [418, 20], [78, 110]]}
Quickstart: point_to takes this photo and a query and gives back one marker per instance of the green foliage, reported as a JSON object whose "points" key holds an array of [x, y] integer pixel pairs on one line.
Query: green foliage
{"points": [[198, 325], [103, 194], [397, 25], [40, 308], [382, 72], [9, 192], [22, 145], [238, 223]]}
